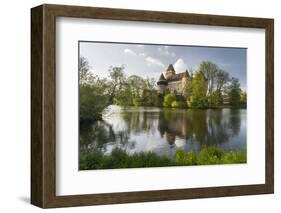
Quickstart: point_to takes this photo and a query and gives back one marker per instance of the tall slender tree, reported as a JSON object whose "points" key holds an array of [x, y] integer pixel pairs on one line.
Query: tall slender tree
{"points": [[233, 92], [209, 70]]}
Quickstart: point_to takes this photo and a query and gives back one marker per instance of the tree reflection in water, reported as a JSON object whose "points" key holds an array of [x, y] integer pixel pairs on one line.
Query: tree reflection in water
{"points": [[127, 127]]}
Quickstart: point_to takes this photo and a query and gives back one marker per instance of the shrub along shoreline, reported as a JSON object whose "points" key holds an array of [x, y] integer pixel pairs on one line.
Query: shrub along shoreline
{"points": [[118, 158]]}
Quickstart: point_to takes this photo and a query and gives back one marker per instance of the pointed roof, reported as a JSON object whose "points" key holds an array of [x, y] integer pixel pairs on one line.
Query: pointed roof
{"points": [[162, 78], [179, 76], [171, 67], [187, 74], [183, 75]]}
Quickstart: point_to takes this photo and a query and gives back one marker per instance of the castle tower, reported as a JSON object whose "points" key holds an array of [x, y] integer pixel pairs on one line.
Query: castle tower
{"points": [[162, 83], [185, 76], [170, 72]]}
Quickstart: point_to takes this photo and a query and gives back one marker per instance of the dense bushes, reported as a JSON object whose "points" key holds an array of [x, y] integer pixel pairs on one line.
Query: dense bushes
{"points": [[169, 99], [92, 102], [210, 155], [120, 159], [178, 104], [96, 159]]}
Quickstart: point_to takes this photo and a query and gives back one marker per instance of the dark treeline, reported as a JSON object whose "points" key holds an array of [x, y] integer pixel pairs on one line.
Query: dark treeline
{"points": [[208, 87]]}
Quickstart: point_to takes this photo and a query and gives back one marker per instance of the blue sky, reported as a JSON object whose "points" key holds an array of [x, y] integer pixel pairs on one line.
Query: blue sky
{"points": [[148, 60]]}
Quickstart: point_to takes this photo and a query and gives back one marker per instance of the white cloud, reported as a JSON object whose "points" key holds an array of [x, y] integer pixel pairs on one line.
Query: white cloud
{"points": [[153, 61], [142, 54], [129, 51], [165, 50], [180, 65]]}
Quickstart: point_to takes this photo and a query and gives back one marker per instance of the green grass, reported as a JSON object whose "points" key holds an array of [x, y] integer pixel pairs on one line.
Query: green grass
{"points": [[210, 155], [120, 159]]}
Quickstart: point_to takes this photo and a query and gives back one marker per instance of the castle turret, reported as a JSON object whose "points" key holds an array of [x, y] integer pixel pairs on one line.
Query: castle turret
{"points": [[170, 72], [172, 81], [162, 83]]}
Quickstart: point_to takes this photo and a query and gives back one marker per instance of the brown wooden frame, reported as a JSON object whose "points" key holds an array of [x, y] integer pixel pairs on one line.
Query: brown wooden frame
{"points": [[43, 105]]}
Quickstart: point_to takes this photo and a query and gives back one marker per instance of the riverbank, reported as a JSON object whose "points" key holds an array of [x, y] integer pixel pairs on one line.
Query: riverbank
{"points": [[118, 158]]}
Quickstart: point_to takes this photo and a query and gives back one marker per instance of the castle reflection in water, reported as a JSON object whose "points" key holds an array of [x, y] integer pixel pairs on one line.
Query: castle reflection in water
{"points": [[137, 129]]}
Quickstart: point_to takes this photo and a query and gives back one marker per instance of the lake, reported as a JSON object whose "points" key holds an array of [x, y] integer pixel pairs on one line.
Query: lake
{"points": [[164, 130]]}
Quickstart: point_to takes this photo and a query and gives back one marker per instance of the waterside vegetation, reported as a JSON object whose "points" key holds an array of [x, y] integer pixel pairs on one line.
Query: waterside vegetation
{"points": [[96, 159], [208, 87]]}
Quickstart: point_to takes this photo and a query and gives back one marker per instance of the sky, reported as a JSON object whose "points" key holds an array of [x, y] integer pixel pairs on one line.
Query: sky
{"points": [[150, 60]]}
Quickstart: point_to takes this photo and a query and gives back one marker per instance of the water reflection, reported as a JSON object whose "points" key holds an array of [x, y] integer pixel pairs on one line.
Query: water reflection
{"points": [[137, 129]]}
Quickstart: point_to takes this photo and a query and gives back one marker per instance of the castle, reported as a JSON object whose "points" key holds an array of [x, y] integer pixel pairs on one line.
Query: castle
{"points": [[172, 81]]}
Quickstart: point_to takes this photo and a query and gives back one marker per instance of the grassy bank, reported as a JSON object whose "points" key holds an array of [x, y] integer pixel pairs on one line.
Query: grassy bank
{"points": [[120, 159], [210, 155]]}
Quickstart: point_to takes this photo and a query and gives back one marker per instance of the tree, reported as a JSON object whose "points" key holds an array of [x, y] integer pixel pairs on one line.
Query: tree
{"points": [[138, 85], [92, 93], [243, 99], [215, 99], [138, 92], [92, 100], [150, 98], [199, 87], [150, 83], [168, 99], [117, 80], [124, 96], [233, 92], [209, 70], [222, 78], [85, 75]]}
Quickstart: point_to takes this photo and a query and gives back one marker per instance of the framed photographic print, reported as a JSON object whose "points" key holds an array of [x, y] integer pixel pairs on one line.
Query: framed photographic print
{"points": [[136, 106]]}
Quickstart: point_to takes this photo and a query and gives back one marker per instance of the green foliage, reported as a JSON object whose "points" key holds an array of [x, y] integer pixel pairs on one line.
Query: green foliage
{"points": [[92, 93], [137, 91], [233, 92], [117, 81], [201, 91], [222, 78], [124, 96], [215, 99], [209, 70], [168, 99], [178, 104], [243, 99], [96, 94], [148, 98], [234, 156], [210, 155], [186, 158], [118, 158], [138, 101], [199, 88], [93, 101], [86, 77]]}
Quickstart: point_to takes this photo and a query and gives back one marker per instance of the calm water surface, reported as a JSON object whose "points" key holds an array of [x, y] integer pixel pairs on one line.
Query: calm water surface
{"points": [[162, 131]]}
